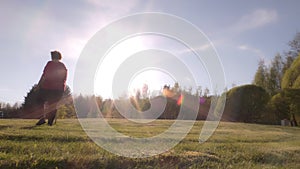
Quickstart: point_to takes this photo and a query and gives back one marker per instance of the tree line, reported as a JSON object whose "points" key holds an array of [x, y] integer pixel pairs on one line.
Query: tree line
{"points": [[281, 81], [85, 104], [274, 95]]}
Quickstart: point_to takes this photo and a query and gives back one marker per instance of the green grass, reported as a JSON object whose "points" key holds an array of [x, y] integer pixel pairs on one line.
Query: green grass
{"points": [[65, 145]]}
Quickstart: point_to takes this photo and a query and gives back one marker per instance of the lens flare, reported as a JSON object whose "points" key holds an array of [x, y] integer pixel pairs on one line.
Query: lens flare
{"points": [[202, 100], [180, 100]]}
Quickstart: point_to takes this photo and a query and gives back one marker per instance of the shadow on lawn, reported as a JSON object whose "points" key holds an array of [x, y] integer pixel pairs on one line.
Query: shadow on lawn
{"points": [[43, 138]]}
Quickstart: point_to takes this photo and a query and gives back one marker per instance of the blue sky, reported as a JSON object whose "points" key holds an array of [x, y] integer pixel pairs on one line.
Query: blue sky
{"points": [[241, 31]]}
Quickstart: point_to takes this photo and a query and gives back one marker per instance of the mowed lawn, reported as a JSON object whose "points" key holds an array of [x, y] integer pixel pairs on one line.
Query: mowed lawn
{"points": [[65, 145]]}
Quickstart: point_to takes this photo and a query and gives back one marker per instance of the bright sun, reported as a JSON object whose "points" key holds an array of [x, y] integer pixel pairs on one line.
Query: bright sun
{"points": [[109, 65], [155, 79]]}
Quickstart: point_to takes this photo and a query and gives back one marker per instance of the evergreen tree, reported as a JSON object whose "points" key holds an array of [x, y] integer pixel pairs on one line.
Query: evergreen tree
{"points": [[274, 76], [176, 88], [206, 92], [82, 106], [30, 105], [260, 78]]}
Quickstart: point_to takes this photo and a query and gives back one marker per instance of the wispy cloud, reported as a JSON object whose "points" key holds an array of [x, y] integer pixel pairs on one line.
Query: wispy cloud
{"points": [[256, 19], [256, 51], [199, 48]]}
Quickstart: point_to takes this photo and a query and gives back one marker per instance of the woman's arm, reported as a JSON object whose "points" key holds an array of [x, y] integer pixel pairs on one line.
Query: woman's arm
{"points": [[41, 81]]}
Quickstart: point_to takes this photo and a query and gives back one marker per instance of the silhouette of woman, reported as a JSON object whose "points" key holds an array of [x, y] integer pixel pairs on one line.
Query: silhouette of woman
{"points": [[52, 85]]}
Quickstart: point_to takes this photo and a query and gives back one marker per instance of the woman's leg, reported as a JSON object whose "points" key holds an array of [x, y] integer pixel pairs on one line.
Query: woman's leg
{"points": [[51, 117], [40, 108], [56, 96]]}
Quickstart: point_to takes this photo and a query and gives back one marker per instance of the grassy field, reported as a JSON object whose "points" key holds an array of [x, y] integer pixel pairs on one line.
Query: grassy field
{"points": [[65, 145]]}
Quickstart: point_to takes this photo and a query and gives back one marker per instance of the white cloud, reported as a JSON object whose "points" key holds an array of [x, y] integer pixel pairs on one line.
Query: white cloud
{"points": [[256, 19], [199, 48], [204, 47], [253, 50]]}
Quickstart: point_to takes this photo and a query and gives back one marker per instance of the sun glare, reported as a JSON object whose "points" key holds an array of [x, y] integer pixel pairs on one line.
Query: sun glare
{"points": [[111, 62], [153, 78], [150, 80]]}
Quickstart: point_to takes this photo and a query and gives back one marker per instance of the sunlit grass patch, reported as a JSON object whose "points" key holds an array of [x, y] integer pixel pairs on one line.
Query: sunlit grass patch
{"points": [[66, 145]]}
